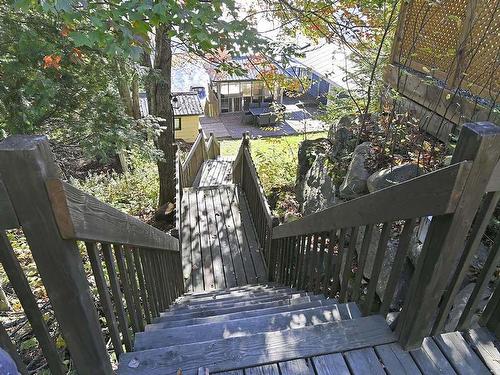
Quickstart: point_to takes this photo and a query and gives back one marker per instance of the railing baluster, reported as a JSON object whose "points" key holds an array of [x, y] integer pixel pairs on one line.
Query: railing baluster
{"points": [[397, 265], [104, 297], [377, 267], [348, 264], [7, 344], [23, 291], [300, 261], [132, 278], [305, 269], [338, 261], [122, 269], [363, 254], [117, 295], [482, 281], [491, 313], [142, 285], [320, 268], [148, 273]]}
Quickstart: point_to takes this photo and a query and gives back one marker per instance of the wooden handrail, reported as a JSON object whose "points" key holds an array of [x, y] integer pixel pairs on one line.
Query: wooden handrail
{"points": [[436, 193], [197, 143], [8, 217], [494, 183], [142, 263], [81, 216]]}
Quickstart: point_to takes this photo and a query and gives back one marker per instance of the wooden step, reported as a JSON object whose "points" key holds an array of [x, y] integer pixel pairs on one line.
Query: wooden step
{"points": [[262, 348], [223, 309], [248, 287], [306, 303], [231, 301], [245, 326], [232, 296]]}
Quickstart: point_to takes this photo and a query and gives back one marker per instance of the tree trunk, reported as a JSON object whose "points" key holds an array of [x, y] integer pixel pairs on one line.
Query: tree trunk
{"points": [[124, 89], [136, 108], [162, 108]]}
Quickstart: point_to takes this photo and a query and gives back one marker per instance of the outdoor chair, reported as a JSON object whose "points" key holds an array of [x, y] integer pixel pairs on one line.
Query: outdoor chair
{"points": [[273, 119], [253, 105], [248, 119]]}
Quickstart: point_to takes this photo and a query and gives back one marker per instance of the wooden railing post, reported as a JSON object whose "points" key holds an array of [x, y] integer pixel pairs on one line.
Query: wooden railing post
{"points": [[26, 162], [443, 247]]}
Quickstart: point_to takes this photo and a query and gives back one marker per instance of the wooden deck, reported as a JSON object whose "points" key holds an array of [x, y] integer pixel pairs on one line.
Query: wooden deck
{"points": [[215, 173], [219, 243]]}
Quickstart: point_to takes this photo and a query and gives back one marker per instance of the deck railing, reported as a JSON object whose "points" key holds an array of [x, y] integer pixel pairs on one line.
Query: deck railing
{"points": [[245, 174], [201, 151], [327, 251], [136, 267]]}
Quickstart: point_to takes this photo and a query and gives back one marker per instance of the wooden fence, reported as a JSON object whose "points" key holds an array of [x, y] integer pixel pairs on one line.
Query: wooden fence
{"points": [[245, 174], [140, 277], [327, 251], [445, 60]]}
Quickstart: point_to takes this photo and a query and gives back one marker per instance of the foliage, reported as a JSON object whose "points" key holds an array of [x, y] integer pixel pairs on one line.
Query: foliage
{"points": [[275, 158], [50, 86], [135, 193]]}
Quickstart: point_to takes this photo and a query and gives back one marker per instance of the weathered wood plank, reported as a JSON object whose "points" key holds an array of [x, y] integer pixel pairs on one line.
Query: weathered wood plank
{"points": [[347, 269], [8, 218], [197, 266], [142, 286], [364, 361], [494, 183], [484, 344], [187, 265], [296, 367], [132, 278], [242, 265], [299, 304], [80, 216], [205, 248], [21, 286], [234, 328], [460, 355], [263, 370], [230, 271], [230, 196], [431, 360], [26, 162], [396, 361], [436, 193], [362, 256], [331, 364], [262, 348]]}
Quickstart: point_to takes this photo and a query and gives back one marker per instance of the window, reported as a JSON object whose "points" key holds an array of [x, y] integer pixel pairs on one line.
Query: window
{"points": [[177, 123]]}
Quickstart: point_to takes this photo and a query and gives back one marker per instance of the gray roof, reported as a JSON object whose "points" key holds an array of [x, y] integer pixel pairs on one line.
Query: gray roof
{"points": [[188, 103]]}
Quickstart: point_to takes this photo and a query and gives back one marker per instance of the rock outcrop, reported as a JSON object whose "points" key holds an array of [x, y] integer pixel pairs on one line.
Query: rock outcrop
{"points": [[354, 184], [392, 176]]}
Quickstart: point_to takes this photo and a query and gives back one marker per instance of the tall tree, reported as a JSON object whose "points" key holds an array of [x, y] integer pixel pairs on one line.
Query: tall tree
{"points": [[137, 28]]}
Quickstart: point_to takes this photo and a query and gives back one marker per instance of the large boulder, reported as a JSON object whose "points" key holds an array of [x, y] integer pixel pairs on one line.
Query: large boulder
{"points": [[319, 190], [354, 184], [392, 176]]}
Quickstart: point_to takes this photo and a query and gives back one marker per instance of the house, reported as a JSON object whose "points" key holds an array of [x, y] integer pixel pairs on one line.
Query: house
{"points": [[187, 111], [234, 92], [324, 65]]}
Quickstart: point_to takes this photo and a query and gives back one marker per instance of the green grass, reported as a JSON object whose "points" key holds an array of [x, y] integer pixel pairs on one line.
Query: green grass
{"points": [[275, 158]]}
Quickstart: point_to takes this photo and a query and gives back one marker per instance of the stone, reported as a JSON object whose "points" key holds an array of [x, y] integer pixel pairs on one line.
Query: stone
{"points": [[354, 184], [345, 123], [392, 176], [290, 216], [319, 190]]}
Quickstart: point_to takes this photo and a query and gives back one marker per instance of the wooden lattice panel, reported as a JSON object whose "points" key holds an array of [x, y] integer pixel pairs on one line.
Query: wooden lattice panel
{"points": [[430, 35], [482, 57]]}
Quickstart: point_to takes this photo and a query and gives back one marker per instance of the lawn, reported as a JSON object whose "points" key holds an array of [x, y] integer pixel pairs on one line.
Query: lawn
{"points": [[275, 159]]}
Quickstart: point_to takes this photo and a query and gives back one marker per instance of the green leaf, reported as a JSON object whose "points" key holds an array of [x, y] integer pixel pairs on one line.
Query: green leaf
{"points": [[29, 344], [80, 39]]}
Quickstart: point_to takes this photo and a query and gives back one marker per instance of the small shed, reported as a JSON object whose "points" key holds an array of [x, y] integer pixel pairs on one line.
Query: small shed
{"points": [[187, 112]]}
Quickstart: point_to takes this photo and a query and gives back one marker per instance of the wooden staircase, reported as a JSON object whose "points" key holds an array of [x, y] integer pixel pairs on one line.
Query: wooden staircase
{"points": [[252, 326]]}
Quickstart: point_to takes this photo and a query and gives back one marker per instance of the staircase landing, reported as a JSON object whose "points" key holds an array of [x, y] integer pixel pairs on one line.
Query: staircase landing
{"points": [[220, 248]]}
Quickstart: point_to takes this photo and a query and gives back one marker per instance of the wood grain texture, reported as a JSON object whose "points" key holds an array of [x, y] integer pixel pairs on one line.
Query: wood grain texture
{"points": [[81, 216], [460, 355], [240, 352], [396, 361], [431, 360], [364, 361], [330, 364], [436, 193], [26, 162], [483, 342], [234, 328], [296, 367], [263, 370], [494, 182], [8, 218]]}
